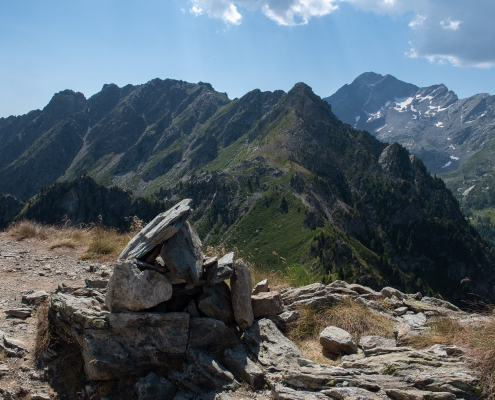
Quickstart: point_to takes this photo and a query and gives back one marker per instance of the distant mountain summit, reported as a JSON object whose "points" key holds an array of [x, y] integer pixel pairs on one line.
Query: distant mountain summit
{"points": [[454, 137]]}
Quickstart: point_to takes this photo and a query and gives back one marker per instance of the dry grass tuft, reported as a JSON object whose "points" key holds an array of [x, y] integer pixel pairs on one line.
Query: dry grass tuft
{"points": [[43, 330], [442, 330], [348, 315], [105, 243], [28, 229], [480, 343]]}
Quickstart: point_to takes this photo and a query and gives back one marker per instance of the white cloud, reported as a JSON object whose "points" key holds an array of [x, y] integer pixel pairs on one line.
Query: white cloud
{"points": [[450, 25], [417, 22], [283, 12], [458, 32]]}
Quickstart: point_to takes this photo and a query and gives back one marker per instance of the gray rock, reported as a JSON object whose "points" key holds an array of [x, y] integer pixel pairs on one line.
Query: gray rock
{"points": [[132, 289], [280, 392], [4, 370], [158, 231], [35, 297], [203, 374], [241, 288], [221, 270], [265, 341], [440, 303], [153, 387], [404, 333], [374, 344], [351, 393], [40, 396], [96, 283], [209, 261], [293, 295], [242, 367], [210, 335], [415, 320], [19, 312], [362, 289], [216, 302], [134, 343], [390, 291], [338, 284], [290, 316], [192, 309], [261, 287], [266, 304], [400, 311], [182, 254], [414, 394], [337, 341]]}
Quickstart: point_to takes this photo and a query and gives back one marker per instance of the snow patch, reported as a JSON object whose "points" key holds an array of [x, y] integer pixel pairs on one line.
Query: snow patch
{"points": [[447, 165], [451, 147], [454, 158], [401, 104], [439, 124], [373, 116], [379, 129], [466, 192], [358, 118]]}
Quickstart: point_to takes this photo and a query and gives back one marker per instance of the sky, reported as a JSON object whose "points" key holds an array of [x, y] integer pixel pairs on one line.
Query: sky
{"points": [[240, 45]]}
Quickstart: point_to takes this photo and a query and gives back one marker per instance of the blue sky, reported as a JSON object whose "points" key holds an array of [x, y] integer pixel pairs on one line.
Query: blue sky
{"points": [[237, 46]]}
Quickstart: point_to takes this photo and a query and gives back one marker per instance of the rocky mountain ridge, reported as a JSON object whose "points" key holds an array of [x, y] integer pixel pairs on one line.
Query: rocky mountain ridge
{"points": [[256, 168], [454, 137]]}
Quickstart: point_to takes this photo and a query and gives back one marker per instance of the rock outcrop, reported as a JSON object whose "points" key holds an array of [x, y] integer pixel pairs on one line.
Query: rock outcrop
{"points": [[184, 340]]}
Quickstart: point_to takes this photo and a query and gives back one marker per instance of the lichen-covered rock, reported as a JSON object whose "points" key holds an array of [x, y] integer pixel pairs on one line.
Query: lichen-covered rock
{"points": [[241, 288], [337, 341], [131, 289]]}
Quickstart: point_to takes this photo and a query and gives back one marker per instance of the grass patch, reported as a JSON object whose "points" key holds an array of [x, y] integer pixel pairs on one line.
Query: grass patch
{"points": [[102, 243], [348, 315], [29, 229], [43, 330], [478, 341], [441, 330]]}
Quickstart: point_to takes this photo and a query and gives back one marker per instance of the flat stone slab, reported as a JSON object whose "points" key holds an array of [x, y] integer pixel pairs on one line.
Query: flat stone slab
{"points": [[158, 231], [19, 312]]}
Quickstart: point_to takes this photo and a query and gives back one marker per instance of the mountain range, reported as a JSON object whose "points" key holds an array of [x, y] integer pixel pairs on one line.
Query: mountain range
{"points": [[454, 137], [275, 175]]}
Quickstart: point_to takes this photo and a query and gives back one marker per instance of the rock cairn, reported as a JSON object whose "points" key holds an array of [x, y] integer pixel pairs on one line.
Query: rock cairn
{"points": [[179, 330]]}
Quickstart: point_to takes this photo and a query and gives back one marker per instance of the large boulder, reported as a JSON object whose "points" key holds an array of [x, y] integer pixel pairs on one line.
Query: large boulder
{"points": [[241, 287], [210, 335], [158, 231], [131, 289], [337, 341], [242, 367], [182, 254], [152, 387]]}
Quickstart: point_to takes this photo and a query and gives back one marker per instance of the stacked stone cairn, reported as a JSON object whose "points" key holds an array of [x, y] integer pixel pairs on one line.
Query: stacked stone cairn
{"points": [[168, 320]]}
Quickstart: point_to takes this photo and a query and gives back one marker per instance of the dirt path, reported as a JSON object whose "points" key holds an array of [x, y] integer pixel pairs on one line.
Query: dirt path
{"points": [[29, 265]]}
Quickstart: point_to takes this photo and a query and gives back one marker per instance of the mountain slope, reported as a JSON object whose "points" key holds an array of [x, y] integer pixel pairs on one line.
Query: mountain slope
{"points": [[275, 175]]}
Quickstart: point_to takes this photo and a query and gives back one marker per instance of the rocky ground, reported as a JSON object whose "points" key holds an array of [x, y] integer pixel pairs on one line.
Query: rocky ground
{"points": [[29, 266], [262, 357]]}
